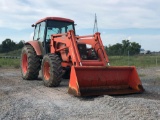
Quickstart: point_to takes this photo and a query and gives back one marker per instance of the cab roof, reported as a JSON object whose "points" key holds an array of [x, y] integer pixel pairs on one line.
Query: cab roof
{"points": [[55, 18]]}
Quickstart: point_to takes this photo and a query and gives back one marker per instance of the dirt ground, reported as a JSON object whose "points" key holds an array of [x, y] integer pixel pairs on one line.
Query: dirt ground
{"points": [[20, 99]]}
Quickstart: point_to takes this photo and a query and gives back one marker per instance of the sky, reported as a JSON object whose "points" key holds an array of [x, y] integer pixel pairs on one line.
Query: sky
{"points": [[117, 20]]}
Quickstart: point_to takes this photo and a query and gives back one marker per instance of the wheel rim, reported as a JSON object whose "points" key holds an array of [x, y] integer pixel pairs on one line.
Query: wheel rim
{"points": [[24, 63], [46, 69]]}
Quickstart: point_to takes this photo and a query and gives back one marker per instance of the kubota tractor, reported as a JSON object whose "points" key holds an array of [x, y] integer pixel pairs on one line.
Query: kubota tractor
{"points": [[58, 52]]}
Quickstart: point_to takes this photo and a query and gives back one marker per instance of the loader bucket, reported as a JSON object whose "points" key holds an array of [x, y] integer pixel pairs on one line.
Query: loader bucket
{"points": [[90, 80]]}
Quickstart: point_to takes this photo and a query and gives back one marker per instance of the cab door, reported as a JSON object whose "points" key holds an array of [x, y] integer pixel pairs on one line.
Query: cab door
{"points": [[39, 35]]}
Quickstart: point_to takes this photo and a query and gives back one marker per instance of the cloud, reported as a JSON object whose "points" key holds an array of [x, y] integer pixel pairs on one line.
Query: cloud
{"points": [[131, 15], [111, 13]]}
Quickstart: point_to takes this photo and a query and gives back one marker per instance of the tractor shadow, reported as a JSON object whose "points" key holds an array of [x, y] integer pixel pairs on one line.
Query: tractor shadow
{"points": [[146, 95], [90, 98]]}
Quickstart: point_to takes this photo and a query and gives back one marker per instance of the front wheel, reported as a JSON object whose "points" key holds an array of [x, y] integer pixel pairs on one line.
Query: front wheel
{"points": [[51, 70]]}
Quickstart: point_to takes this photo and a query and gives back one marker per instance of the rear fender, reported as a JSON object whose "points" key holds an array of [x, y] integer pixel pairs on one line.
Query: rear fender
{"points": [[37, 47]]}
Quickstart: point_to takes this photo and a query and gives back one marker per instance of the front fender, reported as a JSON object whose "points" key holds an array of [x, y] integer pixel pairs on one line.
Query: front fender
{"points": [[36, 46]]}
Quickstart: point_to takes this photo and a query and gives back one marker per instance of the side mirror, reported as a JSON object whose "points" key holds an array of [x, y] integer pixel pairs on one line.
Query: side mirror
{"points": [[33, 25], [38, 38], [49, 28], [75, 24]]}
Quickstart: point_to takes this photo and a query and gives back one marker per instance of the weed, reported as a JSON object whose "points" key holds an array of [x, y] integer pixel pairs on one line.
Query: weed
{"points": [[142, 75], [16, 66], [158, 78]]}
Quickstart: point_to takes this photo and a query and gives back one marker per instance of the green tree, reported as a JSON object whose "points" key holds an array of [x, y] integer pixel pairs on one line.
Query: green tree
{"points": [[115, 49], [123, 49], [134, 48], [20, 44], [125, 46], [8, 45]]}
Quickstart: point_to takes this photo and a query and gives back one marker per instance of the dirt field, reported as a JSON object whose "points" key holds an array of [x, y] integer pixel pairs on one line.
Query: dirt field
{"points": [[20, 99]]}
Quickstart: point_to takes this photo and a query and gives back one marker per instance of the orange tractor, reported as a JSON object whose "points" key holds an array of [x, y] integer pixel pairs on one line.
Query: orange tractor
{"points": [[59, 53]]}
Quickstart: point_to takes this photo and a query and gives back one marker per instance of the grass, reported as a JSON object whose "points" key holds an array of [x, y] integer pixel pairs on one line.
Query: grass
{"points": [[12, 53], [11, 63], [138, 61]]}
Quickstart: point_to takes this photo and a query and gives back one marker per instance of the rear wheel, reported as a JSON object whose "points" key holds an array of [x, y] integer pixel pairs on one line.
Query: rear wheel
{"points": [[30, 63], [51, 70]]}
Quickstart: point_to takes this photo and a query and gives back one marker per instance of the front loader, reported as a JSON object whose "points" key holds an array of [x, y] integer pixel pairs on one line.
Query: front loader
{"points": [[60, 53]]}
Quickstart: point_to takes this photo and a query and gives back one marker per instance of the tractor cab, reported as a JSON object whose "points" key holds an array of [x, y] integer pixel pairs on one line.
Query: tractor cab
{"points": [[44, 28]]}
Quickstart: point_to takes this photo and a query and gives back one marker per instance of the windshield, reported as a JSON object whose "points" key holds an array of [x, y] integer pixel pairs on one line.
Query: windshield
{"points": [[58, 27]]}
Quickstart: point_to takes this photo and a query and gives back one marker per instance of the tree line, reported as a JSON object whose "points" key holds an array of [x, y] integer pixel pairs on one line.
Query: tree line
{"points": [[9, 45], [124, 48]]}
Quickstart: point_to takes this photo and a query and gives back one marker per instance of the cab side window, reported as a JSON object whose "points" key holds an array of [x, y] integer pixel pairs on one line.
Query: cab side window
{"points": [[39, 31], [36, 32]]}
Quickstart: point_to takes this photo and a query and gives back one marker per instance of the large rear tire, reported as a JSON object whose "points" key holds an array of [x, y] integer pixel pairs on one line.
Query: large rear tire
{"points": [[30, 63], [51, 70]]}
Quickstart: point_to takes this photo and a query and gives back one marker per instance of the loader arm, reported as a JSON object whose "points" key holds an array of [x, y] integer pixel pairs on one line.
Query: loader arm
{"points": [[61, 42]]}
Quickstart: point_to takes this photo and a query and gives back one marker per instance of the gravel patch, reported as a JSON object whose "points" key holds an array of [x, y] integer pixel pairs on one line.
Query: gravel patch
{"points": [[20, 99]]}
